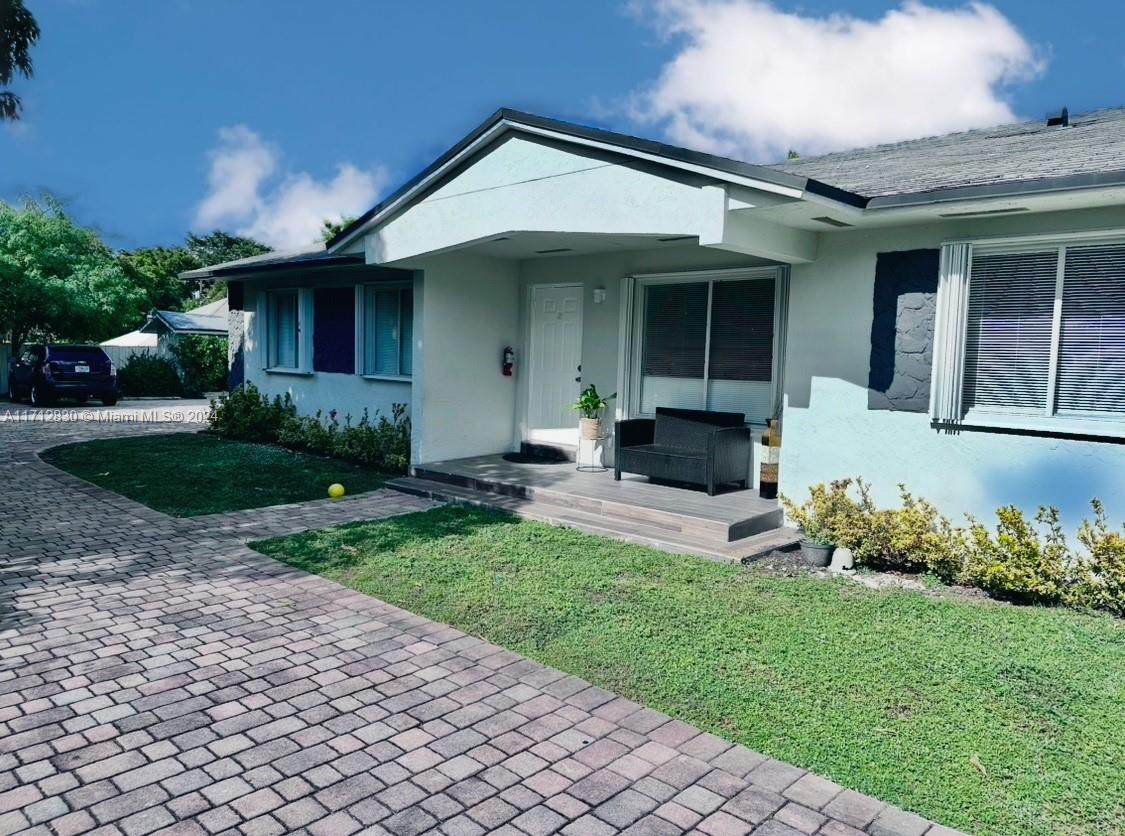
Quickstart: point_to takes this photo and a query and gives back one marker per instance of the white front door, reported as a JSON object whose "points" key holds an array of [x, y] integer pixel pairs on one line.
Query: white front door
{"points": [[554, 366]]}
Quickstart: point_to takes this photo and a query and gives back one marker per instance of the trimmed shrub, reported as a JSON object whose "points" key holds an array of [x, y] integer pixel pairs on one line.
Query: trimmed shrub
{"points": [[1101, 572], [202, 362], [147, 375], [1028, 562], [383, 443], [247, 415], [309, 433], [1018, 562], [912, 538]]}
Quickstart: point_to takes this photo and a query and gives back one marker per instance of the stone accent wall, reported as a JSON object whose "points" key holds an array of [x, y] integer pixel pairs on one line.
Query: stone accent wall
{"points": [[902, 331], [236, 348]]}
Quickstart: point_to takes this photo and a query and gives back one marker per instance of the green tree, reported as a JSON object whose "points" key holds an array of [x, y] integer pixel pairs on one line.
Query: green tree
{"points": [[18, 33], [330, 228], [157, 269], [218, 247], [58, 280]]}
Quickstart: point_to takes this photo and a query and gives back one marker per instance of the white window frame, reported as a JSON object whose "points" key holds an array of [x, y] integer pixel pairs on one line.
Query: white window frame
{"points": [[304, 299], [951, 334], [632, 332], [361, 330]]}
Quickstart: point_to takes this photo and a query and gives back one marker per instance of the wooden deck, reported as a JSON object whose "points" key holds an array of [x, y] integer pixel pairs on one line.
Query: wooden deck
{"points": [[734, 525]]}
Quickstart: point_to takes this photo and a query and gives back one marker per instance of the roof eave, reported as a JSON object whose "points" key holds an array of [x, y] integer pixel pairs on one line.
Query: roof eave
{"points": [[1016, 188], [231, 270]]}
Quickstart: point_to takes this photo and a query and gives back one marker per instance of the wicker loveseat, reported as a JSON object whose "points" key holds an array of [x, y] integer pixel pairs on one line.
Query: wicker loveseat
{"points": [[685, 445]]}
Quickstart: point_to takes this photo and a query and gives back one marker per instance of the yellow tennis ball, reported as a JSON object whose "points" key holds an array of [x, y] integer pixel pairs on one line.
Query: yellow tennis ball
{"points": [[335, 490]]}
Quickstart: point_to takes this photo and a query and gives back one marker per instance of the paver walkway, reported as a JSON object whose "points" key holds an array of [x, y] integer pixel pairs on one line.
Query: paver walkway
{"points": [[158, 675]]}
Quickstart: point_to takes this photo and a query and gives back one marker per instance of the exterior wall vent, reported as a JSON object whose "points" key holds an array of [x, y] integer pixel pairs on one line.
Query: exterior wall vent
{"points": [[824, 219]]}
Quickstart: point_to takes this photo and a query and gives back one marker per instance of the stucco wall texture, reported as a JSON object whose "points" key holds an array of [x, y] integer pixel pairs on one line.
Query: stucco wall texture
{"points": [[831, 431]]}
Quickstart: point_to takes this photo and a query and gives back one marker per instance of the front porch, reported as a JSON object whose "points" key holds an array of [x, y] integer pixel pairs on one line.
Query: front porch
{"points": [[732, 526]]}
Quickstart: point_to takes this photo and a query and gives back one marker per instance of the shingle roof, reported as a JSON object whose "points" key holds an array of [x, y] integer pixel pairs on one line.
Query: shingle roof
{"points": [[315, 256], [188, 322], [1093, 144]]}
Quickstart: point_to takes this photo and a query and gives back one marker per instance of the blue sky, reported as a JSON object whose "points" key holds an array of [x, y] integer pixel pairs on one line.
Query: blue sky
{"points": [[150, 118]]}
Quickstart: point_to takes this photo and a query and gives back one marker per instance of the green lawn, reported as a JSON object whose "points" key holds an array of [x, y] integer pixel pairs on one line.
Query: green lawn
{"points": [[986, 717], [187, 474]]}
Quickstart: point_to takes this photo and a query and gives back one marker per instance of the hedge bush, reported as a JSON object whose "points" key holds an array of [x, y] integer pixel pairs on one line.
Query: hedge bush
{"points": [[202, 364], [1018, 560], [381, 443], [248, 415], [147, 375]]}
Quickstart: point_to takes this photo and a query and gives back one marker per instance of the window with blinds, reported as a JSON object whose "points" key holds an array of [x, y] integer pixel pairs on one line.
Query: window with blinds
{"points": [[1091, 367], [1045, 333], [1008, 339], [388, 327], [708, 345], [284, 330]]}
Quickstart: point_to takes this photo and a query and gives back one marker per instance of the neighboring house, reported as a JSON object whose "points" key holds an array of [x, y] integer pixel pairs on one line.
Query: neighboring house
{"points": [[948, 313], [163, 328]]}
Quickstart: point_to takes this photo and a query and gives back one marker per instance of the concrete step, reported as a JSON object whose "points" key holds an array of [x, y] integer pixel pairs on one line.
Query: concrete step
{"points": [[625, 530], [689, 519]]}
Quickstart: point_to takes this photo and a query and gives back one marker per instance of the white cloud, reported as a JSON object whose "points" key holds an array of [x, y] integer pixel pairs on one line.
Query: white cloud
{"points": [[247, 190], [753, 81]]}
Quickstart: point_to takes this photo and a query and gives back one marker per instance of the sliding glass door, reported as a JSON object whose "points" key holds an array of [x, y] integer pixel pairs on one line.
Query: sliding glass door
{"points": [[706, 342]]}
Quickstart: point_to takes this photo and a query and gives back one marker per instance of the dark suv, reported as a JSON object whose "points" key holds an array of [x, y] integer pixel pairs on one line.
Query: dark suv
{"points": [[43, 373]]}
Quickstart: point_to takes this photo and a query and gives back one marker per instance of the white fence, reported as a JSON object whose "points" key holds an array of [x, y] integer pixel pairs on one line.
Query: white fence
{"points": [[120, 354]]}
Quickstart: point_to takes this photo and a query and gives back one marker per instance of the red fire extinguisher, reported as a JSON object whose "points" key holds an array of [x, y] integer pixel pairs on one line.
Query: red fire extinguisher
{"points": [[508, 361]]}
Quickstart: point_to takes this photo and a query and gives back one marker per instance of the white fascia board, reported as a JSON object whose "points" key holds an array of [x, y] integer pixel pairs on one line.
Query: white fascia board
{"points": [[505, 125], [749, 182]]}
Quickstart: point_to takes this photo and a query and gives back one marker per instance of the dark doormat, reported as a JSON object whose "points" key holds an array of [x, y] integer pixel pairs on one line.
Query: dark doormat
{"points": [[532, 458]]}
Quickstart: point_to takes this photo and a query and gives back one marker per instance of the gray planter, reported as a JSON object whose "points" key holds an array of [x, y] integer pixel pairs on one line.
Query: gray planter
{"points": [[815, 554]]}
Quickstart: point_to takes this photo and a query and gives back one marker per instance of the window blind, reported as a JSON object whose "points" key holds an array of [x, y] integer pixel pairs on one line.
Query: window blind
{"points": [[406, 350], [675, 330], [742, 331], [285, 330], [1008, 335], [388, 327], [1091, 366], [727, 366]]}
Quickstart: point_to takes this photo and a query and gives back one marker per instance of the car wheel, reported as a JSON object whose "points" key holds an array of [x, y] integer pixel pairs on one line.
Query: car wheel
{"points": [[12, 396], [110, 401], [38, 396]]}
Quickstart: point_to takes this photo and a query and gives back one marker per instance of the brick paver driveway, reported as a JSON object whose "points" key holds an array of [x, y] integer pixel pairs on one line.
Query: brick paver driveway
{"points": [[158, 675]]}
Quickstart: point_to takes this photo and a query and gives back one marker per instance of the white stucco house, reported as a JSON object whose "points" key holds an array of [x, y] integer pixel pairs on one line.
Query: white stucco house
{"points": [[948, 313]]}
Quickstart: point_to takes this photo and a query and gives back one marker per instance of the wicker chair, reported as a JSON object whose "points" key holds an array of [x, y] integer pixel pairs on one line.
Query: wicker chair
{"points": [[685, 445]]}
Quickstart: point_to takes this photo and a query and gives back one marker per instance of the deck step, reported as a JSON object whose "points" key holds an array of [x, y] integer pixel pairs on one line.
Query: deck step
{"points": [[681, 520], [617, 528]]}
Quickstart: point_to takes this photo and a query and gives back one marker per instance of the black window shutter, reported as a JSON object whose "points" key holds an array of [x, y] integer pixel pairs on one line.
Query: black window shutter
{"points": [[902, 330], [334, 329]]}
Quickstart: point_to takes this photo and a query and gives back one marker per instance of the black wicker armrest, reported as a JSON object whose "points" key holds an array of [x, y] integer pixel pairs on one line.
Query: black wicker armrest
{"points": [[634, 432], [729, 450]]}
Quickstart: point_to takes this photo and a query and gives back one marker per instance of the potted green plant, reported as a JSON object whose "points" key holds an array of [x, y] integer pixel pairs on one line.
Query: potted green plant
{"points": [[811, 518], [590, 406]]}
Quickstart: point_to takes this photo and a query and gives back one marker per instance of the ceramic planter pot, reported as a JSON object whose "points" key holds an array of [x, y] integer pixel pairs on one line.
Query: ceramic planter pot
{"points": [[590, 428], [815, 554]]}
